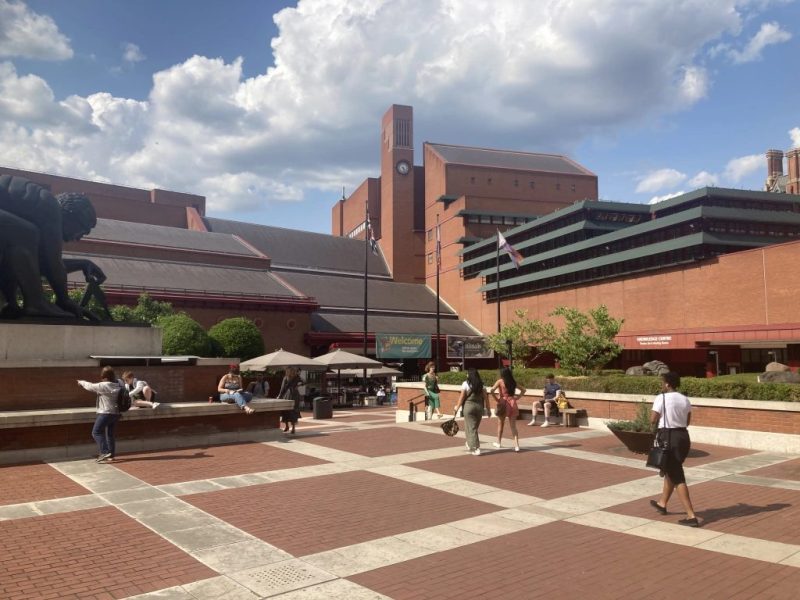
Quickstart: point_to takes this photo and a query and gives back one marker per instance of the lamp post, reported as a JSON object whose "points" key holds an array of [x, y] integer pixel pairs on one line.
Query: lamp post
{"points": [[716, 361]]}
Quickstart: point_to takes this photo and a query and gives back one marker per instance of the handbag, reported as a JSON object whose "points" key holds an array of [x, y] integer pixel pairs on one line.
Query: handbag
{"points": [[658, 456], [561, 401], [450, 427], [435, 388]]}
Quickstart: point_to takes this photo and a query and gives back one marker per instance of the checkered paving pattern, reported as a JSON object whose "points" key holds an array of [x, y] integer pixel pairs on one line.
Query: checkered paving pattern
{"points": [[189, 464], [320, 513], [358, 507], [534, 473], [566, 561], [700, 454], [98, 553], [787, 470], [29, 483]]}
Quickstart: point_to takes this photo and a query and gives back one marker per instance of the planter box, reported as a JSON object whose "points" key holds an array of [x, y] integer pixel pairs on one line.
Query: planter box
{"points": [[638, 442]]}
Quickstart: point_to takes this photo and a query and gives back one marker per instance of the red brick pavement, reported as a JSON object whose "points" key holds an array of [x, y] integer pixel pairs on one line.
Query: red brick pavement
{"points": [[753, 511], [531, 472], [98, 553], [368, 417], [312, 515], [699, 454], [567, 561], [383, 441], [30, 483], [785, 470], [489, 427], [189, 464]]}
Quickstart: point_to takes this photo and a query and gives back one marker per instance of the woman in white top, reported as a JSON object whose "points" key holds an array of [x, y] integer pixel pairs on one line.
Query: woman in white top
{"points": [[473, 400], [672, 414]]}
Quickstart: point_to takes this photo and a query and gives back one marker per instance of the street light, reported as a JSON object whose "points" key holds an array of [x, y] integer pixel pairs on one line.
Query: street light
{"points": [[716, 360]]}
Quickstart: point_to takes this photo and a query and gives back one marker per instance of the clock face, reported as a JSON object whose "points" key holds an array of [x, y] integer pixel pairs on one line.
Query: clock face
{"points": [[403, 167]]}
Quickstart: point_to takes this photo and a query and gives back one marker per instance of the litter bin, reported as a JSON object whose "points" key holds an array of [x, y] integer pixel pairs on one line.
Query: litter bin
{"points": [[323, 407]]}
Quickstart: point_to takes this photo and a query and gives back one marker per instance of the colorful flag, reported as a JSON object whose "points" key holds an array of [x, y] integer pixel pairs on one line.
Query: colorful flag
{"points": [[373, 243], [514, 254]]}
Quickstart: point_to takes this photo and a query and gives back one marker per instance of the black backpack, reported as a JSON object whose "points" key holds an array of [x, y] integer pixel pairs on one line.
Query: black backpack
{"points": [[123, 399]]}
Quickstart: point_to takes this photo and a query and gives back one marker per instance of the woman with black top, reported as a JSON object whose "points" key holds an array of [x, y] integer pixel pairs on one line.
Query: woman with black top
{"points": [[672, 413], [473, 399], [289, 391]]}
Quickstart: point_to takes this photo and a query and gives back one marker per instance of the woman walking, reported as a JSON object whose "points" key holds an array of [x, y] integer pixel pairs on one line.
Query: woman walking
{"points": [[431, 381], [672, 413], [506, 405], [473, 400], [105, 424], [289, 391]]}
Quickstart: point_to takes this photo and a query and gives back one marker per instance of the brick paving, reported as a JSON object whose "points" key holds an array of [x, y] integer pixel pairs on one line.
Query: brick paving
{"points": [[321, 513], [33, 482], [188, 464], [699, 454], [423, 520], [566, 561], [88, 554]]}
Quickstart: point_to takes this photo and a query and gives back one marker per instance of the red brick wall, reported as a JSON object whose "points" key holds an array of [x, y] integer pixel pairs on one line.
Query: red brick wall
{"points": [[706, 416], [56, 387]]}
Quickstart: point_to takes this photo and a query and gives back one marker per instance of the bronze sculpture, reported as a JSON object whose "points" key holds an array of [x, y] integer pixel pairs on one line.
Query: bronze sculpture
{"points": [[34, 224]]}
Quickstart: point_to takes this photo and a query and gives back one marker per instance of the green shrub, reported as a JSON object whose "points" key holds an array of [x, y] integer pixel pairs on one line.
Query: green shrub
{"points": [[640, 423], [237, 338], [182, 335]]}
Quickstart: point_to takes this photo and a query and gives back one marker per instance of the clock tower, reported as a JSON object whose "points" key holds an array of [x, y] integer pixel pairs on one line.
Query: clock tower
{"points": [[401, 244]]}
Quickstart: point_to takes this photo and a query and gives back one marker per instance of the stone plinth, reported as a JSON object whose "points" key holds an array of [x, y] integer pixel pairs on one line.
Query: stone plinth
{"points": [[37, 342]]}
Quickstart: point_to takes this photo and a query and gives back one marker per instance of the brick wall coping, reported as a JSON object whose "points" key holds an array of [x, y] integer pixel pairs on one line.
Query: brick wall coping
{"points": [[715, 402], [64, 416]]}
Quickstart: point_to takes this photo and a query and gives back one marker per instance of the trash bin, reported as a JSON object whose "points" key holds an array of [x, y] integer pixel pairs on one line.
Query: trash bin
{"points": [[323, 407]]}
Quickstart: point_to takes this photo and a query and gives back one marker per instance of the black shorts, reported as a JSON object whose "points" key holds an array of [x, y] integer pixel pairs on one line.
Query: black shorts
{"points": [[679, 446]]}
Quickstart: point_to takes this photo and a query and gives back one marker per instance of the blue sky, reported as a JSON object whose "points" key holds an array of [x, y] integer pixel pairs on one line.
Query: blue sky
{"points": [[269, 108]]}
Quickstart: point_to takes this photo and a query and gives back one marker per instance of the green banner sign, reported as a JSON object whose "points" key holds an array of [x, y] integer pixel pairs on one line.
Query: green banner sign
{"points": [[402, 345], [467, 346]]}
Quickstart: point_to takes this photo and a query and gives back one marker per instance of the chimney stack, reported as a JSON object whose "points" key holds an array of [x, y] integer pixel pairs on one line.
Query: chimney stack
{"points": [[774, 167], [793, 160]]}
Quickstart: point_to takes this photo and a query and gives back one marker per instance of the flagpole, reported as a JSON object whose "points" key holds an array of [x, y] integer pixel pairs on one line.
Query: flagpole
{"points": [[497, 293], [438, 265], [366, 271]]}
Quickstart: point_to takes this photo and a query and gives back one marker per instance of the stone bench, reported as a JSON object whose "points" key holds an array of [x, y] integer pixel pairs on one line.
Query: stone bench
{"points": [[50, 434], [569, 416]]}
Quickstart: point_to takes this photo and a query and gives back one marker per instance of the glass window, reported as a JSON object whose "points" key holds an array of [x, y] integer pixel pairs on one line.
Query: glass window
{"points": [[486, 219], [430, 234]]}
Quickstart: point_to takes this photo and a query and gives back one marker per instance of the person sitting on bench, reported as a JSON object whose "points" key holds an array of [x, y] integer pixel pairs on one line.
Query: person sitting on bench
{"points": [[548, 401], [142, 395]]}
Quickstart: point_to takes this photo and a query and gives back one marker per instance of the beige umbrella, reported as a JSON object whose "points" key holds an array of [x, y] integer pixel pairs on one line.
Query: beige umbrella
{"points": [[280, 360], [339, 359]]}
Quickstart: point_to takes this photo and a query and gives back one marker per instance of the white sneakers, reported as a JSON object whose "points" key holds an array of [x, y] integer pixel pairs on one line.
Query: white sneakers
{"points": [[546, 424], [532, 422], [496, 444], [476, 452]]}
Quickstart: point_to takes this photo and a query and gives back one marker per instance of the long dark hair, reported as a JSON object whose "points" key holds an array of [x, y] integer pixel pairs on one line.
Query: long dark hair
{"points": [[508, 379], [474, 381]]}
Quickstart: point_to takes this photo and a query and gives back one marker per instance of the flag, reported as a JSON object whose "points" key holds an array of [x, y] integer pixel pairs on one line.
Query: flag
{"points": [[513, 254], [438, 247], [373, 244]]}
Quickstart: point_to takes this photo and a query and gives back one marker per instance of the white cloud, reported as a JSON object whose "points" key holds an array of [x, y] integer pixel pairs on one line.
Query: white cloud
{"points": [[769, 34], [794, 134], [26, 34], [739, 168], [131, 53], [659, 180], [704, 179], [657, 199], [539, 75]]}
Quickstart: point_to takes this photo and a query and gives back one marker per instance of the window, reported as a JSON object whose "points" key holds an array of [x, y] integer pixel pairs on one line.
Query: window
{"points": [[474, 219], [508, 220], [430, 234], [486, 219], [572, 187], [516, 183], [430, 258]]}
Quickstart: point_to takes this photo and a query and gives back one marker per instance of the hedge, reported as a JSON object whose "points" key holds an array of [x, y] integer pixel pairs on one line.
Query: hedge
{"points": [[183, 336], [237, 337], [614, 382]]}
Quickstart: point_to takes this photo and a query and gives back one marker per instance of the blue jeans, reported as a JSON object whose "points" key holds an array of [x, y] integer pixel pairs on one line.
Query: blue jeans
{"points": [[103, 433], [241, 398]]}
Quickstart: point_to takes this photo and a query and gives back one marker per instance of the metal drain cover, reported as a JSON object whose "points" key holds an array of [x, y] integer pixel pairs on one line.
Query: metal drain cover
{"points": [[281, 577]]}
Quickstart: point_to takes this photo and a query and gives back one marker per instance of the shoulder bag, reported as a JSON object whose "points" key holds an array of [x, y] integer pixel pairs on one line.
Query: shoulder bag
{"points": [[659, 453]]}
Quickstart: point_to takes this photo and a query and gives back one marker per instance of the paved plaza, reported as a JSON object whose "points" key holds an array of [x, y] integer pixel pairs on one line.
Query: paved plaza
{"points": [[362, 507]]}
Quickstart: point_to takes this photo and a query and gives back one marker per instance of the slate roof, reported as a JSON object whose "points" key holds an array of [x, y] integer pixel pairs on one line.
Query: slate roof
{"points": [[508, 159], [168, 237], [292, 248], [348, 292], [183, 277], [354, 323]]}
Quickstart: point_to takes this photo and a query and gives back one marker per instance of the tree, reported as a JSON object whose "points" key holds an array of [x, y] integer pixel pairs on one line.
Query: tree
{"points": [[147, 310], [182, 335], [237, 337], [524, 333], [586, 343]]}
